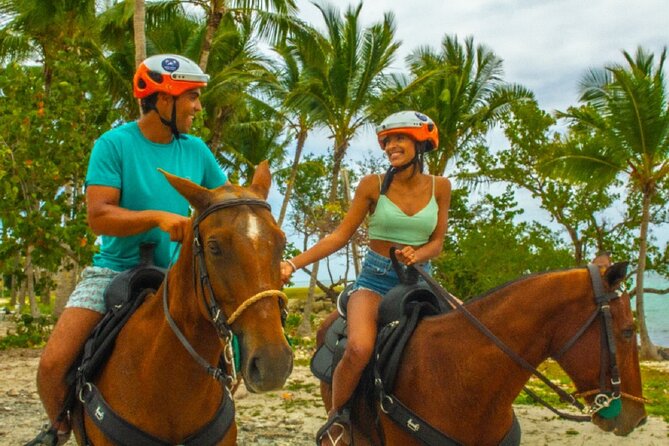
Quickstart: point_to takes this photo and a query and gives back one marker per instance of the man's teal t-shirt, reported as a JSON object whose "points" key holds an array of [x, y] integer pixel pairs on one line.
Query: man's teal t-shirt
{"points": [[124, 159]]}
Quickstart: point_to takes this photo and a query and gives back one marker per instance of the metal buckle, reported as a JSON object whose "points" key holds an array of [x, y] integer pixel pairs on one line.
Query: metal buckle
{"points": [[385, 398]]}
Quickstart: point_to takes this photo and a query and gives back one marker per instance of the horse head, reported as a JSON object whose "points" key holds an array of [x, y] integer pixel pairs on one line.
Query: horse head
{"points": [[237, 247], [601, 354]]}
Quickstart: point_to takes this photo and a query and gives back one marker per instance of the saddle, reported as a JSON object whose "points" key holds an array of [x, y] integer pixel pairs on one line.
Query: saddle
{"points": [[395, 311]]}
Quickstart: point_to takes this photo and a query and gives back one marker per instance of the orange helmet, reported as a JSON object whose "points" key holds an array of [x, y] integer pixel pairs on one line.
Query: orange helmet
{"points": [[415, 124], [167, 73]]}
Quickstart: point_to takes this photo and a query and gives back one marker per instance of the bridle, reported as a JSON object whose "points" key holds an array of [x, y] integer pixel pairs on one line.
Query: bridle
{"points": [[604, 398], [221, 322]]}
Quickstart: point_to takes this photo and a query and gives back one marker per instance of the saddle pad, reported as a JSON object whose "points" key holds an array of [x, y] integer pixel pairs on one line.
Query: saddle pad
{"points": [[327, 356]]}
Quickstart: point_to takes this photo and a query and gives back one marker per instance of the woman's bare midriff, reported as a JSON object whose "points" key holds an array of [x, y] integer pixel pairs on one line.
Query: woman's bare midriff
{"points": [[382, 247]]}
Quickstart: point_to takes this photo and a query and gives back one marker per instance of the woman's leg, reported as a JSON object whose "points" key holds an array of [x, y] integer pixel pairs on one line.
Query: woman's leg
{"points": [[361, 319]]}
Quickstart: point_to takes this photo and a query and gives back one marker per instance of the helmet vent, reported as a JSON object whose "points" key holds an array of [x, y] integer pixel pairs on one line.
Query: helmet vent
{"points": [[155, 76]]}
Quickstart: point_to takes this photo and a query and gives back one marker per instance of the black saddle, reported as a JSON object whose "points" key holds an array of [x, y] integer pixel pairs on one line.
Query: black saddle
{"points": [[397, 305], [131, 283]]}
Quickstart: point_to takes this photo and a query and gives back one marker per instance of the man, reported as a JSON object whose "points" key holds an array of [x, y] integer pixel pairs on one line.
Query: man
{"points": [[130, 203]]}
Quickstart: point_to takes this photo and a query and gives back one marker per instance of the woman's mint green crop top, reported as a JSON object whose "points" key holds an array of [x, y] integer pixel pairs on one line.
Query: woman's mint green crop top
{"points": [[388, 222]]}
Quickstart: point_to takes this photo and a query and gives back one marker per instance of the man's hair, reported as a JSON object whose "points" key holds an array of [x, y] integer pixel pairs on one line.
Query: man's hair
{"points": [[149, 103]]}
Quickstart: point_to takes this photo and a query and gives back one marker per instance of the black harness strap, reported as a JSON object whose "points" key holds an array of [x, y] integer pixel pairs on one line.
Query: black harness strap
{"points": [[123, 433], [430, 436]]}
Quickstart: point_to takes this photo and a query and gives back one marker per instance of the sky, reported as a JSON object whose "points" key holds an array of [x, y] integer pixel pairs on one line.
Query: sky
{"points": [[546, 45]]}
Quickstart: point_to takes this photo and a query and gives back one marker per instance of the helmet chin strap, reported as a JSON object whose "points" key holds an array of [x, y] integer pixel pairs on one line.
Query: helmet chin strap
{"points": [[172, 123]]}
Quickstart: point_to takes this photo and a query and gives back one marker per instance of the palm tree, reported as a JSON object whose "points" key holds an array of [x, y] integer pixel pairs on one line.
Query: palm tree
{"points": [[273, 17], [299, 123], [461, 89], [34, 29], [342, 73], [627, 109]]}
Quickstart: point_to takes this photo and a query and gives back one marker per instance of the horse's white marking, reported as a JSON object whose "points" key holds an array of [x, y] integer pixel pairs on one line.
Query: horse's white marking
{"points": [[253, 229]]}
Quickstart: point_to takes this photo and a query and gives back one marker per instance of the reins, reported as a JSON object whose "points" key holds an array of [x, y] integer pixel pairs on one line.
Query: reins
{"points": [[216, 314], [603, 398]]}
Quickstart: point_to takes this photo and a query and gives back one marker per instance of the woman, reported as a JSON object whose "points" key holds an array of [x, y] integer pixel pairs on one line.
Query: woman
{"points": [[409, 212]]}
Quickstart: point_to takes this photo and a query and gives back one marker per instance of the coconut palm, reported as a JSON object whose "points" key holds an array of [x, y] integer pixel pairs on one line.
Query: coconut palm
{"points": [[626, 108], [39, 30], [273, 18], [288, 76], [342, 73], [461, 89]]}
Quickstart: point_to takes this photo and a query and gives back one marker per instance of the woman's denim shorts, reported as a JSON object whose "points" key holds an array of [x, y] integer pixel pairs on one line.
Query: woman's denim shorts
{"points": [[378, 274]]}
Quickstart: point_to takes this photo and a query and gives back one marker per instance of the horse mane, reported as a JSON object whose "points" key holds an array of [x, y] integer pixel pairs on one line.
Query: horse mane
{"points": [[494, 290]]}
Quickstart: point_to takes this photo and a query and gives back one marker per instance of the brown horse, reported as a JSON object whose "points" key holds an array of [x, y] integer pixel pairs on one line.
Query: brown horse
{"points": [[457, 380], [229, 262]]}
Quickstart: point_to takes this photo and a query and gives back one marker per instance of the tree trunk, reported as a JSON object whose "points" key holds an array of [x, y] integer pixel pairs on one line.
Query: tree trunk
{"points": [[217, 10], [30, 284], [66, 280], [305, 326], [648, 350], [355, 251], [138, 27], [339, 152], [301, 138]]}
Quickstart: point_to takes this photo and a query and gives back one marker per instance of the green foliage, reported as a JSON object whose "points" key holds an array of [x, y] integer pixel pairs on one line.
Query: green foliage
{"points": [[654, 388], [485, 247], [47, 137], [29, 332]]}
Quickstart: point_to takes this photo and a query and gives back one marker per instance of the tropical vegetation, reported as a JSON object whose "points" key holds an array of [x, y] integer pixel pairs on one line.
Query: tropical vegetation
{"points": [[598, 170]]}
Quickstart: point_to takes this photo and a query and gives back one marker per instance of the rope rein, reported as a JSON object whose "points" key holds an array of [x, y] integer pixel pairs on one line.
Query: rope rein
{"points": [[253, 299]]}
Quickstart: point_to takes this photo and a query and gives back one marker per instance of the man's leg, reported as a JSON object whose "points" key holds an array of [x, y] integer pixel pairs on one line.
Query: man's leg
{"points": [[64, 345]]}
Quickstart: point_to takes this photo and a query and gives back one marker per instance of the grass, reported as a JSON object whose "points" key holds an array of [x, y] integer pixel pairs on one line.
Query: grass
{"points": [[655, 388]]}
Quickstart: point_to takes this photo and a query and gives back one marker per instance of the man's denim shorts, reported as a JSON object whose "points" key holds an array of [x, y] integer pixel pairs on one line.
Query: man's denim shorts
{"points": [[378, 274], [89, 292]]}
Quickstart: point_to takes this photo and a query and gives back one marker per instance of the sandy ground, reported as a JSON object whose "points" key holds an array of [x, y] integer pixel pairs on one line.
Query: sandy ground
{"points": [[291, 416]]}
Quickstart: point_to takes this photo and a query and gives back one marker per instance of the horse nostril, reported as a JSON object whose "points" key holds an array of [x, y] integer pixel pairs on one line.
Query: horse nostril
{"points": [[642, 421]]}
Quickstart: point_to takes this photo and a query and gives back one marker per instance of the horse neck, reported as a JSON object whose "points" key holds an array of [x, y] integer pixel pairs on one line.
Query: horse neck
{"points": [[185, 304], [530, 314]]}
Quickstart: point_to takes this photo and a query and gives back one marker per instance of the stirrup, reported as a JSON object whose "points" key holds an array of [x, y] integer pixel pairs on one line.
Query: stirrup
{"points": [[49, 436], [341, 419]]}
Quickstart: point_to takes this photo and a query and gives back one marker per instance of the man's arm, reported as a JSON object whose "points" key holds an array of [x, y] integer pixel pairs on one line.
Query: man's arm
{"points": [[106, 217]]}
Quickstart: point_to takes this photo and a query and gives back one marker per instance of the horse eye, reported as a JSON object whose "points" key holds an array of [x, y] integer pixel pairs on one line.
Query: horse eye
{"points": [[628, 334], [213, 247]]}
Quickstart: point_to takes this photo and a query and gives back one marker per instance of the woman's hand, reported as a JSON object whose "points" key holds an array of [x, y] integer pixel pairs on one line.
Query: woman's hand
{"points": [[406, 255], [287, 270]]}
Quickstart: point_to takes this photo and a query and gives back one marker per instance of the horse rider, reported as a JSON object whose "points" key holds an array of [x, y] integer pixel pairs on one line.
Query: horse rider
{"points": [[407, 209], [130, 203]]}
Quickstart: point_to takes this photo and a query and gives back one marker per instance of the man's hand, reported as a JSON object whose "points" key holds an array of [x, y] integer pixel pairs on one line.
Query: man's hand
{"points": [[175, 225]]}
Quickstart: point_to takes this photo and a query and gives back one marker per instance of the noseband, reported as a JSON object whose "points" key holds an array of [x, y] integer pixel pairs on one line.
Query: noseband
{"points": [[216, 314]]}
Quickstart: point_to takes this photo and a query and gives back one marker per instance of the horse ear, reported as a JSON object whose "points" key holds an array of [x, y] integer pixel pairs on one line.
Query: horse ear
{"points": [[603, 259], [262, 179], [199, 197], [616, 273]]}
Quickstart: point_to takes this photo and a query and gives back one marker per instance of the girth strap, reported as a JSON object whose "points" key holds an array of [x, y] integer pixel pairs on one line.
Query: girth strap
{"points": [[123, 433], [427, 434]]}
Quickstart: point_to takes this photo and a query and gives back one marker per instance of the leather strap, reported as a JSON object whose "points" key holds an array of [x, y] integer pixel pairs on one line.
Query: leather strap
{"points": [[123, 433]]}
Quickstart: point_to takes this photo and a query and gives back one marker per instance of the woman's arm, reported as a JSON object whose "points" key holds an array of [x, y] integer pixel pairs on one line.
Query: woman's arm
{"points": [[365, 195]]}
